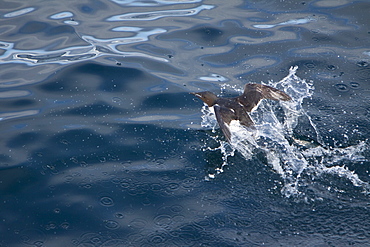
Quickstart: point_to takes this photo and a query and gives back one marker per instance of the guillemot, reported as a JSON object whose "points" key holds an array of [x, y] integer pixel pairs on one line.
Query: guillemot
{"points": [[229, 109]]}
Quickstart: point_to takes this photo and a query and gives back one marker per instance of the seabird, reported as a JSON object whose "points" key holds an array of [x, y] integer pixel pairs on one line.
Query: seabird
{"points": [[228, 109]]}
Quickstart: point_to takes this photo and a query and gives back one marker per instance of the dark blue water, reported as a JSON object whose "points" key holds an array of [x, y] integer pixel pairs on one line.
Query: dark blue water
{"points": [[102, 144]]}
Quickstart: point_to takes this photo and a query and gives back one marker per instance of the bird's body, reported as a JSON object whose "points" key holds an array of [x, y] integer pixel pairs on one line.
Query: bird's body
{"points": [[229, 109]]}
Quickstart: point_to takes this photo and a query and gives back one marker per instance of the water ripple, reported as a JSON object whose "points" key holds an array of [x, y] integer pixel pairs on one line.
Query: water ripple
{"points": [[97, 47]]}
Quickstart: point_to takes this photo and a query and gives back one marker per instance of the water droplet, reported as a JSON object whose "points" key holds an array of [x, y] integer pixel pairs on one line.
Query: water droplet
{"points": [[38, 243], [362, 64], [163, 220], [310, 65], [178, 218], [119, 215], [64, 225], [146, 202], [316, 39], [64, 142], [111, 224], [95, 240], [354, 85], [117, 100], [85, 185], [194, 147], [157, 239], [116, 180], [156, 187], [83, 164], [341, 87], [74, 160], [188, 183], [331, 67], [106, 201], [75, 241], [176, 208], [159, 161], [144, 172], [138, 223], [148, 155], [50, 226], [173, 186], [125, 184]]}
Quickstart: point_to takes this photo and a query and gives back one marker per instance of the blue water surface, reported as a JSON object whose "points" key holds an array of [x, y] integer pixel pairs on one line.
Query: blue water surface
{"points": [[102, 144]]}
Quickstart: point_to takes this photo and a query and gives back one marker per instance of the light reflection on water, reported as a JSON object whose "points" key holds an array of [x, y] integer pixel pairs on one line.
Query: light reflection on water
{"points": [[19, 12], [97, 47], [149, 16]]}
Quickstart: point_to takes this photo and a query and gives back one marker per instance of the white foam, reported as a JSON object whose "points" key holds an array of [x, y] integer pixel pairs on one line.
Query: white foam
{"points": [[292, 159]]}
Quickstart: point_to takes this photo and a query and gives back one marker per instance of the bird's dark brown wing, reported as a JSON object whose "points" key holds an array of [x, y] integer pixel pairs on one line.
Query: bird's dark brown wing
{"points": [[253, 93], [225, 115]]}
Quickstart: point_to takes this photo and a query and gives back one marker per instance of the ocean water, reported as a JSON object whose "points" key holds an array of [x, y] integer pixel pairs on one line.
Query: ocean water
{"points": [[102, 144]]}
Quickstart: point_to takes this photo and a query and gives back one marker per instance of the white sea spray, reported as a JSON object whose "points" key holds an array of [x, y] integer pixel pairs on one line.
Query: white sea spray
{"points": [[293, 159]]}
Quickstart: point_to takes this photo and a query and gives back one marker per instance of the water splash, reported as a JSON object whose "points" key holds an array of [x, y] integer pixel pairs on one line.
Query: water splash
{"points": [[297, 160]]}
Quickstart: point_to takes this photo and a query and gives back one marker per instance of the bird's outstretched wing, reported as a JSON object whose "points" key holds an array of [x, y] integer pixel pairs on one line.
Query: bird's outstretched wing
{"points": [[253, 93], [225, 115]]}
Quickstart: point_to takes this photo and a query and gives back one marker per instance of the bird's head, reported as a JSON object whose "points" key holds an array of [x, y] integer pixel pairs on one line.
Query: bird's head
{"points": [[208, 97]]}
